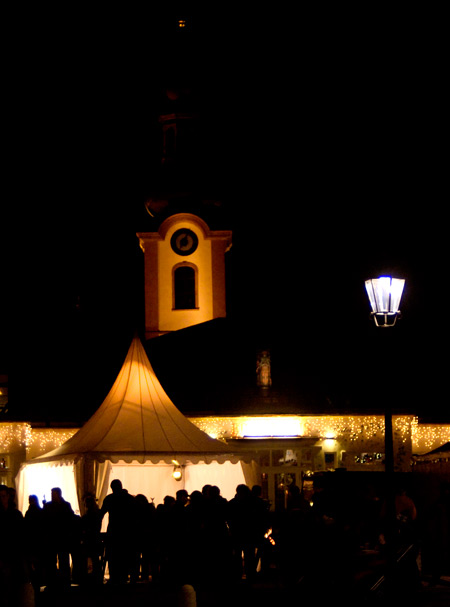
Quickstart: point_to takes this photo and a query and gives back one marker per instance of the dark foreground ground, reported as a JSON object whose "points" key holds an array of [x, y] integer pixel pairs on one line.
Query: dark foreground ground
{"points": [[262, 593]]}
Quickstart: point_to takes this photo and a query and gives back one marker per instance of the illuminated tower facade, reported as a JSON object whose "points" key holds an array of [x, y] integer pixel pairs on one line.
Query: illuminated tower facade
{"points": [[184, 268]]}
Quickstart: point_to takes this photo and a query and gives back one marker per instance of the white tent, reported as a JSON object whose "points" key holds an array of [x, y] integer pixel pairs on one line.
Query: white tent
{"points": [[136, 435]]}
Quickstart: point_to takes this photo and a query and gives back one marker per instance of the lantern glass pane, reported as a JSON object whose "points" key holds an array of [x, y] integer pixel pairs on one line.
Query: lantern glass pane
{"points": [[396, 294], [371, 294], [382, 288]]}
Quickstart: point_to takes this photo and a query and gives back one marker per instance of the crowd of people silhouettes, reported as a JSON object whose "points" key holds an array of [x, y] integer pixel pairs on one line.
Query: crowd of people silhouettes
{"points": [[203, 538]]}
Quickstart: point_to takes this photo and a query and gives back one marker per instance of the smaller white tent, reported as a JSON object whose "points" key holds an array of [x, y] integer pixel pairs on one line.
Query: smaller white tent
{"points": [[136, 435]]}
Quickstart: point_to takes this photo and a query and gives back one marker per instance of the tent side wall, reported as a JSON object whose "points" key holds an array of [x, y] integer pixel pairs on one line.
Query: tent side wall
{"points": [[39, 479], [155, 481]]}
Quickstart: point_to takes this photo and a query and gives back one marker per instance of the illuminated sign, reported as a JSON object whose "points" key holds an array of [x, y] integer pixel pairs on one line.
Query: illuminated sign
{"points": [[271, 427]]}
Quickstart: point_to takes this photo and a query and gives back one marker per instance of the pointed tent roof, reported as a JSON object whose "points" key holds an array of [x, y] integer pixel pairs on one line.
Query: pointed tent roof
{"points": [[138, 421]]}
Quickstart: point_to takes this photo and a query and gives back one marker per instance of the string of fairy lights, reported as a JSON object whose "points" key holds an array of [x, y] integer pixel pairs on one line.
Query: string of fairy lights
{"points": [[431, 436], [351, 427], [14, 436], [345, 428]]}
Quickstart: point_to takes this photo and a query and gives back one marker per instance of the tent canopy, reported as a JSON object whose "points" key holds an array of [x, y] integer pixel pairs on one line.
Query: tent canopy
{"points": [[137, 421]]}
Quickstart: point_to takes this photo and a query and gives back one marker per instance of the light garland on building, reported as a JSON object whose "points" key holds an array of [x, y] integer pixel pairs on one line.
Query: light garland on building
{"points": [[345, 428], [403, 426], [217, 427], [42, 441], [348, 427], [426, 437], [16, 436]]}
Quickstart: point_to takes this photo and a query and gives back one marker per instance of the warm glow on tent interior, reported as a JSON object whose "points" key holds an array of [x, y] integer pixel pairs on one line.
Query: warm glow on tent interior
{"points": [[271, 427]]}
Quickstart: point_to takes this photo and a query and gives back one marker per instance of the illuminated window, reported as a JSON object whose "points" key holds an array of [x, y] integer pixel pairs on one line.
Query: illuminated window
{"points": [[184, 286], [283, 457], [369, 458]]}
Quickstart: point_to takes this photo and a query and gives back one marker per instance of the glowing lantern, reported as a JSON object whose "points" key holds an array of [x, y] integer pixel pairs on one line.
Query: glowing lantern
{"points": [[385, 294], [177, 473]]}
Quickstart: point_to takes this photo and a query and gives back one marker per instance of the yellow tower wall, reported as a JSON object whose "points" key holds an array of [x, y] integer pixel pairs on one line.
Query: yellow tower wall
{"points": [[169, 318]]}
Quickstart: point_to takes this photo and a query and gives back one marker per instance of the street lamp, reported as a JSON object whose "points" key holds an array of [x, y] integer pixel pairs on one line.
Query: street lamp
{"points": [[385, 294]]}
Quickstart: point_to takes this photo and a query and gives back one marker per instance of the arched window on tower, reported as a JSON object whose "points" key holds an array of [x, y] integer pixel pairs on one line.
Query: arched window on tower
{"points": [[185, 287]]}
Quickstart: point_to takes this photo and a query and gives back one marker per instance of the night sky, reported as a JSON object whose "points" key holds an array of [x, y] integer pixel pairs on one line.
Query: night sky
{"points": [[326, 145]]}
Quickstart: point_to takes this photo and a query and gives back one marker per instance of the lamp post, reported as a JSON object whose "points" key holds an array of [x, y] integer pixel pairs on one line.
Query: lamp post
{"points": [[385, 294]]}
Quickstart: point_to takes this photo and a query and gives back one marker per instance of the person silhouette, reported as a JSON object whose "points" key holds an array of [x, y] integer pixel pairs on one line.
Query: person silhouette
{"points": [[34, 540], [91, 542], [144, 548], [14, 576], [120, 533], [59, 520], [243, 522]]}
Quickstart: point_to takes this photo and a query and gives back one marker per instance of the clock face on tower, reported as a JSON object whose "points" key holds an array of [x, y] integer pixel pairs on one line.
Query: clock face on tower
{"points": [[184, 241]]}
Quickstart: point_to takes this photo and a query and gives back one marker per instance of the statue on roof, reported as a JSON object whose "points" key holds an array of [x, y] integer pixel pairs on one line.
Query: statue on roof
{"points": [[263, 375]]}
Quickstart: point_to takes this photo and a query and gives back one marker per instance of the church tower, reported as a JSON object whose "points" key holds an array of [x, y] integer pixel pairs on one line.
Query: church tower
{"points": [[184, 242], [184, 267]]}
